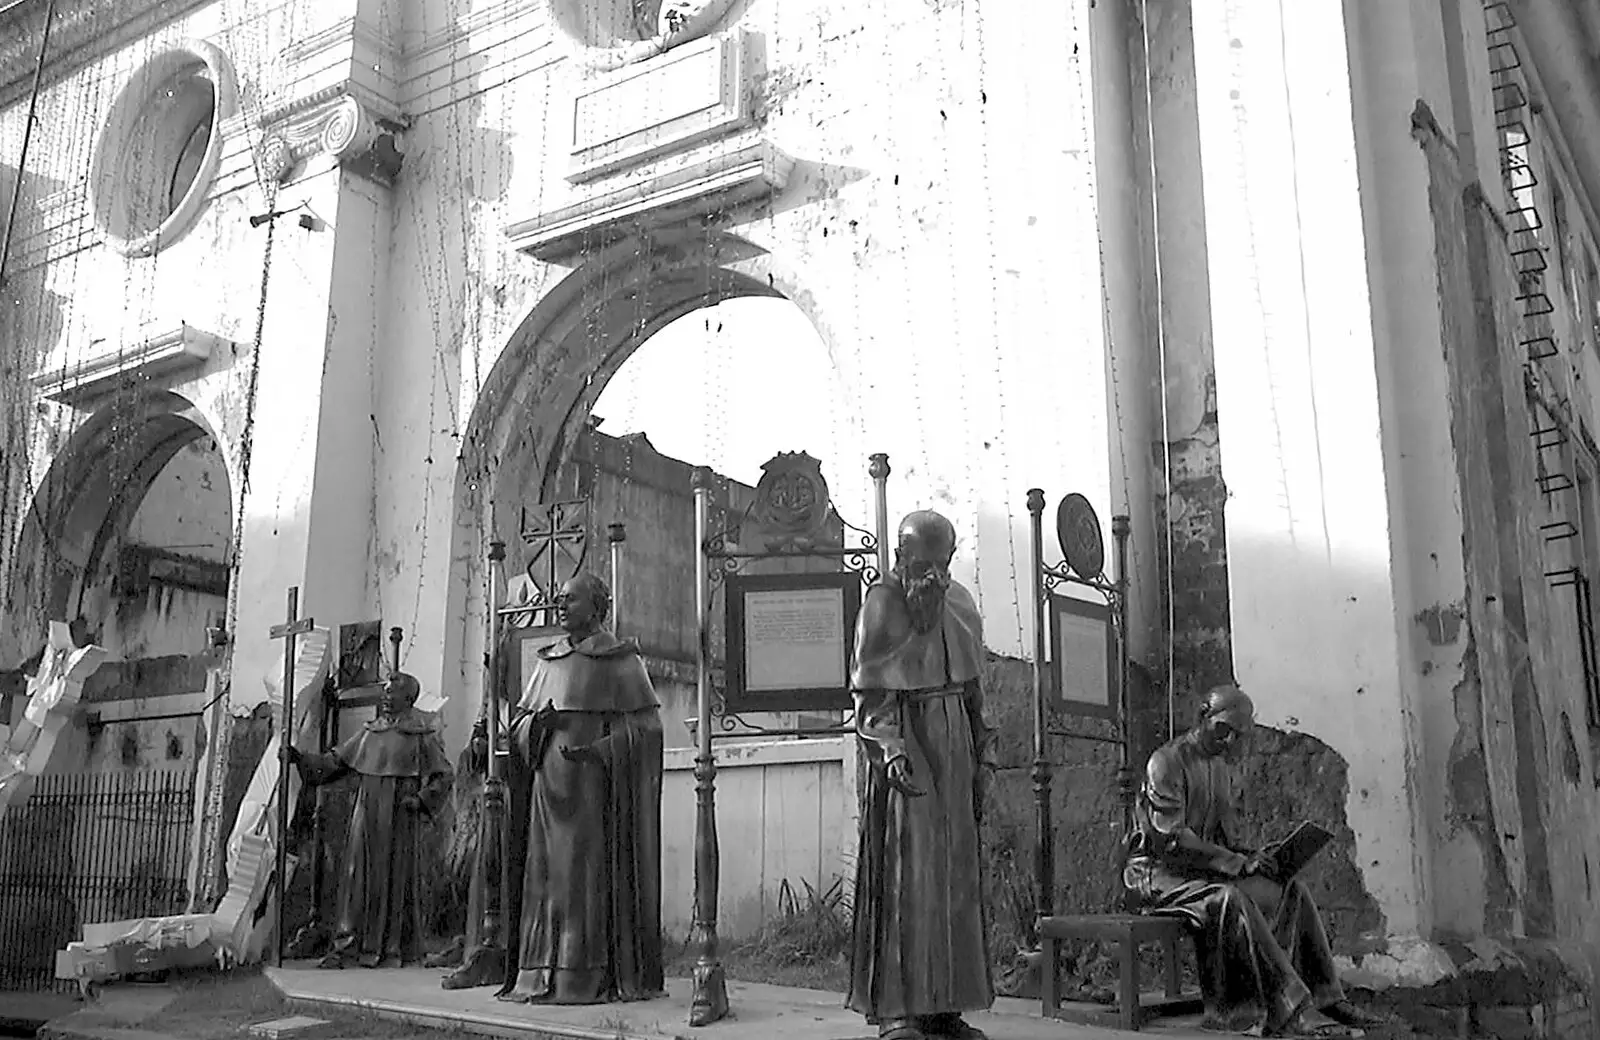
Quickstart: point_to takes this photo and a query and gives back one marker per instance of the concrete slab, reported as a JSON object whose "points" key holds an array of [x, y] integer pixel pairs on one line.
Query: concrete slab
{"points": [[115, 1012], [295, 1027], [413, 995]]}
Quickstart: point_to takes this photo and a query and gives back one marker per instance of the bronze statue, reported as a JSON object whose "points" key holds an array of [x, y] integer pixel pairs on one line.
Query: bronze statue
{"points": [[585, 817], [1264, 954], [404, 775], [919, 955]]}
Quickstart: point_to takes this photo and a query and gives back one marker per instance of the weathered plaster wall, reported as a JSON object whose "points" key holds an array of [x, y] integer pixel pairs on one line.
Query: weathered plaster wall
{"points": [[929, 212], [1308, 517], [268, 410]]}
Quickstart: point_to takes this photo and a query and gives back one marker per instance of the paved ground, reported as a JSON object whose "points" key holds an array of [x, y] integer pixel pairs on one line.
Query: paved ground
{"points": [[769, 1012]]}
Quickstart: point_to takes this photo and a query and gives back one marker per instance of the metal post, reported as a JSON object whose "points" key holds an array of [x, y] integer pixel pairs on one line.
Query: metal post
{"points": [[710, 1000], [1044, 854], [616, 534], [285, 737], [879, 470], [1120, 529], [485, 963], [27, 139]]}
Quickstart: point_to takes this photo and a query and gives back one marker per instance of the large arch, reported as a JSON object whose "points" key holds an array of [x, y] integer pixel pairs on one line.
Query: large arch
{"points": [[96, 481], [551, 372]]}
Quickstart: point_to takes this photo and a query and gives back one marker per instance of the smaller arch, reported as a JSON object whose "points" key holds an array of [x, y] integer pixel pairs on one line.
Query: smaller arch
{"points": [[100, 476]]}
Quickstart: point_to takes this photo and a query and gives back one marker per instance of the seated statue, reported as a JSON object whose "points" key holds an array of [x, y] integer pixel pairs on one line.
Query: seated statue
{"points": [[403, 774], [1264, 954], [584, 820]]}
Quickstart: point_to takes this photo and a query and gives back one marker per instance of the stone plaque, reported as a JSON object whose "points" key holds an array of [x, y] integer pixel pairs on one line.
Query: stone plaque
{"points": [[663, 105]]}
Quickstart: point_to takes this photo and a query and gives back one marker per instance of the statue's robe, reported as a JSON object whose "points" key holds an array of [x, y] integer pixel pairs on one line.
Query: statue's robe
{"points": [[919, 937], [394, 759], [1262, 947], [585, 836]]}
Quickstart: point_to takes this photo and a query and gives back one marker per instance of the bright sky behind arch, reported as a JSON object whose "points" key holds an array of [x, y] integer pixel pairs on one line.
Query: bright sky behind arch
{"points": [[730, 386]]}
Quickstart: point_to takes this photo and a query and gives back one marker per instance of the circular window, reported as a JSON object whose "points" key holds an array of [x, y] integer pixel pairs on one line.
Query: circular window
{"points": [[158, 152]]}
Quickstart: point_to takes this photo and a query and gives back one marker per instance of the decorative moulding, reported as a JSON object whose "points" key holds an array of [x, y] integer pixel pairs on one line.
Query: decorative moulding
{"points": [[665, 104], [721, 183], [343, 122], [81, 33], [174, 351]]}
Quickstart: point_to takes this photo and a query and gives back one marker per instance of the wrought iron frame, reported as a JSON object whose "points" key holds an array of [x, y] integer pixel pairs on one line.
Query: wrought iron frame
{"points": [[863, 559], [1046, 579], [709, 996]]}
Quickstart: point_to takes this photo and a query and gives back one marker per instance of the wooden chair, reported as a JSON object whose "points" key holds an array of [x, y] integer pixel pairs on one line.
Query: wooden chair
{"points": [[1129, 932]]}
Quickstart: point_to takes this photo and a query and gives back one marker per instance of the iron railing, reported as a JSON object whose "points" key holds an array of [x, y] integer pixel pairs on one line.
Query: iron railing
{"points": [[88, 848]]}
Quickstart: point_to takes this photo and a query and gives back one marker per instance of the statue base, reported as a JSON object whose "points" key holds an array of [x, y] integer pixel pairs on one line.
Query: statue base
{"points": [[309, 943], [484, 966], [710, 1001]]}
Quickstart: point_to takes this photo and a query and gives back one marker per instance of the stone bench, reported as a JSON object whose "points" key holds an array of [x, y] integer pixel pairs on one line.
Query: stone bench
{"points": [[1128, 932]]}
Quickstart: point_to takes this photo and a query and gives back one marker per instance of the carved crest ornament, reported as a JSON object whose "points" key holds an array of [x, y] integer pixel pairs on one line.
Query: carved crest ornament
{"points": [[792, 501]]}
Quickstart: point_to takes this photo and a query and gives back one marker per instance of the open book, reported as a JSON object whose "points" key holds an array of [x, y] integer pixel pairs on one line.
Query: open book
{"points": [[1292, 853]]}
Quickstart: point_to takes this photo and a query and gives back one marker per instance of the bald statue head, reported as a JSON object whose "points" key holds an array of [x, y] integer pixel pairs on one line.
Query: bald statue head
{"points": [[926, 543], [582, 605], [1227, 717], [400, 693]]}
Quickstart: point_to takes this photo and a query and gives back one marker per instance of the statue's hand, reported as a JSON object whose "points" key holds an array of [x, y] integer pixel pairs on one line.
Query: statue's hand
{"points": [[411, 804], [1233, 864], [1261, 864], [579, 753], [293, 754], [898, 772]]}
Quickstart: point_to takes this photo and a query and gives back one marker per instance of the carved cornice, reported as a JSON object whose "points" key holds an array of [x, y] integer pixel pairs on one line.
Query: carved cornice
{"points": [[160, 355], [81, 32], [342, 122]]}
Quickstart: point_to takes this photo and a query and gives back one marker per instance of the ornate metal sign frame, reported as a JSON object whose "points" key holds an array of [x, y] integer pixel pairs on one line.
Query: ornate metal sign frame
{"points": [[792, 512], [832, 695]]}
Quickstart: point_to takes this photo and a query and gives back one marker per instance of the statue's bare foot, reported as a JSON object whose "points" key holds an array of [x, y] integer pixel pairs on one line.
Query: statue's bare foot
{"points": [[331, 961], [513, 997], [368, 960], [391, 961]]}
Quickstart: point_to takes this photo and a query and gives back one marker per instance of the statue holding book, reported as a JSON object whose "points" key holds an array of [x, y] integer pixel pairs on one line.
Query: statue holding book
{"points": [[1264, 954]]}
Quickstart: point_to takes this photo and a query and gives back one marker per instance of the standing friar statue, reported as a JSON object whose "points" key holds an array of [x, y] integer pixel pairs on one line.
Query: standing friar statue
{"points": [[404, 776], [584, 841], [919, 953]]}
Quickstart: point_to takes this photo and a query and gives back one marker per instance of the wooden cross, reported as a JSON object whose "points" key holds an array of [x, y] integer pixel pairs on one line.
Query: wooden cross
{"points": [[294, 626]]}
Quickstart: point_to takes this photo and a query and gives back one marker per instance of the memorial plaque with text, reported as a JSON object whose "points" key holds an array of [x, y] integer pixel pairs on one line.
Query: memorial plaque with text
{"points": [[1082, 653], [789, 641]]}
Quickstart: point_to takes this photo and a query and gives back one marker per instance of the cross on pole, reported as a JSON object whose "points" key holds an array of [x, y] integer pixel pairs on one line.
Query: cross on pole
{"points": [[294, 626]]}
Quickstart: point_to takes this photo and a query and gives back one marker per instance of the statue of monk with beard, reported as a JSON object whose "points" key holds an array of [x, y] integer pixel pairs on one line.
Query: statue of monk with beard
{"points": [[920, 957]]}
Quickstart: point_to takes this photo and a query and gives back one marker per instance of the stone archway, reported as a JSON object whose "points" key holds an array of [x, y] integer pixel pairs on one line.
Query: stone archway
{"points": [[129, 536], [549, 376]]}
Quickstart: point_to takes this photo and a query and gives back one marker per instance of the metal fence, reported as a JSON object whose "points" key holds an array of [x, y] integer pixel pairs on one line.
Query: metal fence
{"points": [[84, 849]]}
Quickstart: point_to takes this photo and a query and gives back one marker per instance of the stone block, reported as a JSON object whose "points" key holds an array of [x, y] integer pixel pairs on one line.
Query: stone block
{"points": [[1509, 1022], [296, 1027], [1454, 1022]]}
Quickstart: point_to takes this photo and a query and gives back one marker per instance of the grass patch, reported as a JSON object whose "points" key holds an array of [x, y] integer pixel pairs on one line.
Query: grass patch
{"points": [[806, 944]]}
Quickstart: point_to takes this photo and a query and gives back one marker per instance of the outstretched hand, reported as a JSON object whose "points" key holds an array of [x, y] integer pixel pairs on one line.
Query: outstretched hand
{"points": [[1262, 863], [898, 772]]}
